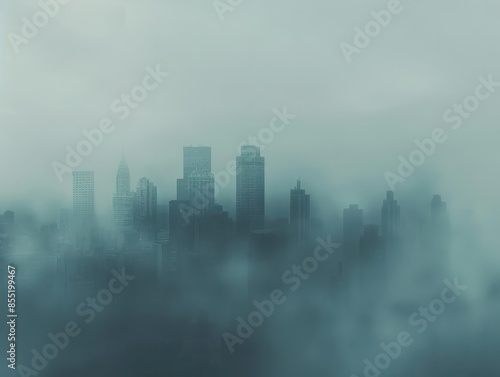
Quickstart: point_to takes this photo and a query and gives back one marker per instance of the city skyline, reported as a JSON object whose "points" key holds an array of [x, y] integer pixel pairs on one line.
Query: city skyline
{"points": [[196, 161], [227, 196], [247, 188]]}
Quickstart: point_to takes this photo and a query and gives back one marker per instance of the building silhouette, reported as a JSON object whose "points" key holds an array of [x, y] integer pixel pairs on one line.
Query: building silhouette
{"points": [[250, 206], [201, 188], [195, 196], [194, 159], [83, 209], [146, 212], [123, 207], [439, 233], [439, 213], [299, 215], [390, 222]]}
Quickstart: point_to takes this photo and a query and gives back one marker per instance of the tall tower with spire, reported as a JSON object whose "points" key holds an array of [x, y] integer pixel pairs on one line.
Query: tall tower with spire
{"points": [[390, 222], [123, 178], [123, 205]]}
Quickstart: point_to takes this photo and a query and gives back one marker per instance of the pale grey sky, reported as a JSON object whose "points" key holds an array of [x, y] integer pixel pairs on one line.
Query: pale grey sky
{"points": [[353, 120]]}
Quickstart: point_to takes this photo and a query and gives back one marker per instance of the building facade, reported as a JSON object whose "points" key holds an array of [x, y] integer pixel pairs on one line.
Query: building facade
{"points": [[250, 192]]}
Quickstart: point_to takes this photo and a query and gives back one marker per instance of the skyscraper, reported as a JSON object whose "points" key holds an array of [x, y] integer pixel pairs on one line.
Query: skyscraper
{"points": [[250, 205], [123, 207], [123, 200], [83, 194], [197, 180], [123, 178], [147, 209], [390, 221], [83, 208], [195, 159], [201, 187], [299, 215]]}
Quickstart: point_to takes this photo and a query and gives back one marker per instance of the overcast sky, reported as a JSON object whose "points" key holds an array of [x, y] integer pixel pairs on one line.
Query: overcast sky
{"points": [[353, 120]]}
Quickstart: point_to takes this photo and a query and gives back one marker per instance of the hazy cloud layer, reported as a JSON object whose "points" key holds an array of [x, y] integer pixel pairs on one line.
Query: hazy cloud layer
{"points": [[353, 120]]}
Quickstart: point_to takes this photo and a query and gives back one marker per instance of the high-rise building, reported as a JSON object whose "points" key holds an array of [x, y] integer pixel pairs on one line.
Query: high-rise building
{"points": [[83, 208], [197, 225], [83, 194], [147, 210], [299, 215], [390, 221], [123, 208], [201, 188], [123, 178], [195, 159], [250, 204], [123, 200]]}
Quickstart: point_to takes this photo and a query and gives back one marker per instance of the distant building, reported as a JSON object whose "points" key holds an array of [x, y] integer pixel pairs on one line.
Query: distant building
{"points": [[196, 223], [439, 232], [250, 205], [83, 208], [123, 207], [390, 222], [83, 195], [147, 209], [201, 187], [195, 159], [299, 215], [439, 213]]}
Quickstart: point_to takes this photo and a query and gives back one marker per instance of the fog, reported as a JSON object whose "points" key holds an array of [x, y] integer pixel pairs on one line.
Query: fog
{"points": [[350, 121]]}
